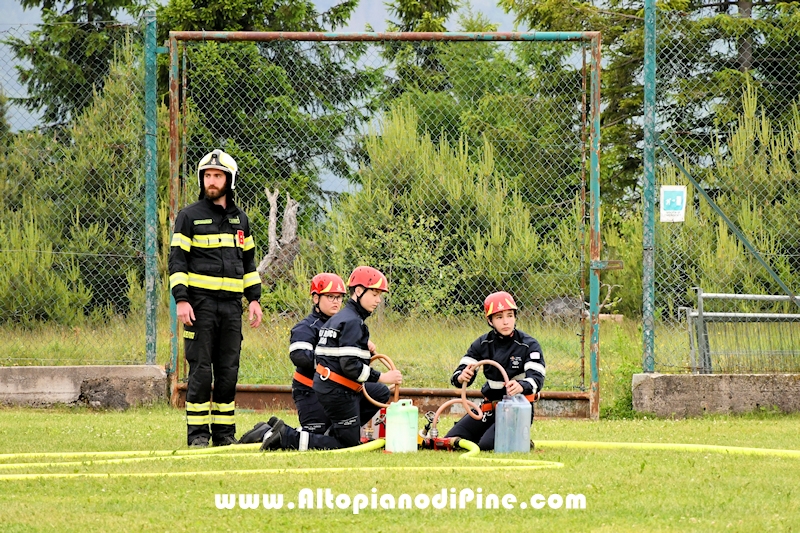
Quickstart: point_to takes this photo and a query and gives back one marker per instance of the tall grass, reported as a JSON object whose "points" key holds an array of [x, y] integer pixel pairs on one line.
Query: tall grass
{"points": [[426, 349]]}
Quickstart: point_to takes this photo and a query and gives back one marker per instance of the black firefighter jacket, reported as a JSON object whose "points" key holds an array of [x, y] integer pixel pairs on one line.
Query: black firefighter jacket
{"points": [[213, 252]]}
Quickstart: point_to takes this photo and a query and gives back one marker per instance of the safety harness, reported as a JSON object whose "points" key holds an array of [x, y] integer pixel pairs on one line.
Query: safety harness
{"points": [[325, 373], [300, 378]]}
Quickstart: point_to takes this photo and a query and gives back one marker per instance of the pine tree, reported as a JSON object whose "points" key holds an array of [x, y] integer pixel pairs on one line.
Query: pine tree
{"points": [[69, 54]]}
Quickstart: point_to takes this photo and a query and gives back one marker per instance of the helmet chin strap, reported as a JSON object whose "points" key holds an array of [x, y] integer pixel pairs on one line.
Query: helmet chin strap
{"points": [[358, 296], [316, 305]]}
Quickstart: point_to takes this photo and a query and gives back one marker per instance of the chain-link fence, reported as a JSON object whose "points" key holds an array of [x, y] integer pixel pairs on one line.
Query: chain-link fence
{"points": [[457, 168], [727, 113], [71, 187]]}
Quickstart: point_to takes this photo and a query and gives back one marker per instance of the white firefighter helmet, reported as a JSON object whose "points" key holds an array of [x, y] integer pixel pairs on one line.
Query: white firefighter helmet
{"points": [[220, 160]]}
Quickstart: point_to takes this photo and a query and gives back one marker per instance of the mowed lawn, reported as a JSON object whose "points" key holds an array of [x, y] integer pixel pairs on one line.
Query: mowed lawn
{"points": [[623, 489]]}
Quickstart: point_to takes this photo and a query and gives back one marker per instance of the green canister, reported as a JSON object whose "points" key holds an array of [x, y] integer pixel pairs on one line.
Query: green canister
{"points": [[402, 421]]}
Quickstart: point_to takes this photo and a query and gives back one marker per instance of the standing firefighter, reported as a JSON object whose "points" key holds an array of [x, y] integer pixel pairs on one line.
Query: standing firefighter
{"points": [[516, 351], [211, 265], [343, 356]]}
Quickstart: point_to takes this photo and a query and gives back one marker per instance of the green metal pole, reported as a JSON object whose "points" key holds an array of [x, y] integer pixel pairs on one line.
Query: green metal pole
{"points": [[595, 239], [173, 189], [150, 217], [649, 189]]}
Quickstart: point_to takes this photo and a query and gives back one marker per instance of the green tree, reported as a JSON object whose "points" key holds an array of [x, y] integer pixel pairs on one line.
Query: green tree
{"points": [[85, 199], [33, 285], [707, 52], [754, 184], [284, 109], [5, 127], [69, 55], [443, 224], [417, 64], [522, 98]]}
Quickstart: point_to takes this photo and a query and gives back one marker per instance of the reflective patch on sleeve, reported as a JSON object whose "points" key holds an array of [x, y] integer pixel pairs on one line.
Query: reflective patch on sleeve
{"points": [[300, 346], [536, 367], [181, 241], [178, 278], [495, 384], [250, 279], [362, 377]]}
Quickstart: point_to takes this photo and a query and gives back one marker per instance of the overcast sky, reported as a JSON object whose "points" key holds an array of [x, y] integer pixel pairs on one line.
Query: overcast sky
{"points": [[368, 12]]}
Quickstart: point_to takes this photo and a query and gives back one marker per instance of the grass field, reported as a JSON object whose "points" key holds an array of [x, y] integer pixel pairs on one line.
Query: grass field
{"points": [[624, 489]]}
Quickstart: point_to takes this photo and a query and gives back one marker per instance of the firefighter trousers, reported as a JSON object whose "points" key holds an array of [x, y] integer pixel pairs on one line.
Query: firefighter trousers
{"points": [[347, 410], [310, 412], [212, 345]]}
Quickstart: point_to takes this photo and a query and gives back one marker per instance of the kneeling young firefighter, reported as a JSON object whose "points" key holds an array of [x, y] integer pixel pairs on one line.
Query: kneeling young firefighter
{"points": [[516, 351], [342, 359], [327, 293]]}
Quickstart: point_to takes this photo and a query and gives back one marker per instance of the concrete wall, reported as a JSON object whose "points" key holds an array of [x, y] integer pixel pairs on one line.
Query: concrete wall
{"points": [[684, 395], [109, 387]]}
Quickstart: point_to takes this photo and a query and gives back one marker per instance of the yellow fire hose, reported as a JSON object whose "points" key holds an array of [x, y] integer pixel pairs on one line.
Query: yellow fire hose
{"points": [[472, 452], [133, 456]]}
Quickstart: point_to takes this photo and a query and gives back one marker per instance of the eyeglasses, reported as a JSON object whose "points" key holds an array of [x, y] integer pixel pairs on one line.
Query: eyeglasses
{"points": [[334, 297]]}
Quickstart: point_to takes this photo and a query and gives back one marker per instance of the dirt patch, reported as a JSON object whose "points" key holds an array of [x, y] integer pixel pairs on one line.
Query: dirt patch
{"points": [[120, 393]]}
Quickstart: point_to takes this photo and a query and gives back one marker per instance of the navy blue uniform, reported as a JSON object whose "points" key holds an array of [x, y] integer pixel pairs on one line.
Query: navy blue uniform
{"points": [[211, 265], [521, 357], [342, 348], [302, 342]]}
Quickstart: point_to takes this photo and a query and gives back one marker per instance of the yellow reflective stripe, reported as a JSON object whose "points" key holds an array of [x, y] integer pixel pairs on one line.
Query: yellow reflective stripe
{"points": [[223, 406], [178, 278], [179, 239], [227, 420], [196, 420], [251, 279], [219, 240], [249, 243], [214, 283], [198, 406]]}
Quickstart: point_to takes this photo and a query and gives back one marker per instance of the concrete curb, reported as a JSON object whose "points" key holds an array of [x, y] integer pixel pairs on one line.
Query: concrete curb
{"points": [[686, 395], [107, 387]]}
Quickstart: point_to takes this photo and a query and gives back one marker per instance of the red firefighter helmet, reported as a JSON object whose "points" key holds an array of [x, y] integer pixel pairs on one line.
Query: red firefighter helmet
{"points": [[497, 302], [326, 283], [368, 277]]}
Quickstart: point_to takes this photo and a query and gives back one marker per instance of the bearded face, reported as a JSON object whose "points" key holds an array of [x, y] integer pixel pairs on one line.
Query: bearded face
{"points": [[215, 184]]}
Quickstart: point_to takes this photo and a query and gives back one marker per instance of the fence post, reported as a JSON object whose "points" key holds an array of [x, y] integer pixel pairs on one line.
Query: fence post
{"points": [[649, 190], [595, 233], [702, 336], [689, 328], [150, 217]]}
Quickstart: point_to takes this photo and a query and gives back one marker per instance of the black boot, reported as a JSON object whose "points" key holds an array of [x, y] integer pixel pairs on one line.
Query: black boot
{"points": [[273, 439]]}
